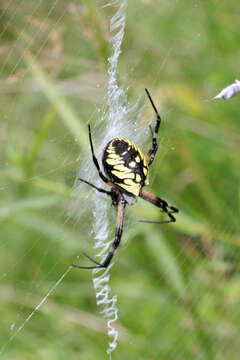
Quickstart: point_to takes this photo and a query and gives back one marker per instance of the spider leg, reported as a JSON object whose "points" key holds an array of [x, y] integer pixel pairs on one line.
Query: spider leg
{"points": [[153, 150], [151, 130], [118, 234], [95, 187], [160, 203], [96, 161], [88, 267]]}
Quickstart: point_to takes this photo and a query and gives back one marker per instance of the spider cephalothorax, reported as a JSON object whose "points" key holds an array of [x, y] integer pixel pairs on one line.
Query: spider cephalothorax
{"points": [[126, 169]]}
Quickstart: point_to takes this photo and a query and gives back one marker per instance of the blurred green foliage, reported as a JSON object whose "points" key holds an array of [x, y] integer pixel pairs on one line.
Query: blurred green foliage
{"points": [[177, 285]]}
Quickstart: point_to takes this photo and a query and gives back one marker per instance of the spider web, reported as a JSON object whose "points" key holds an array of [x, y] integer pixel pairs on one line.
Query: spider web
{"points": [[119, 119]]}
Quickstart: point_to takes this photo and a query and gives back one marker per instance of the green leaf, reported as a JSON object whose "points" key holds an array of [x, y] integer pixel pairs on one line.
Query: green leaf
{"points": [[165, 261], [75, 126]]}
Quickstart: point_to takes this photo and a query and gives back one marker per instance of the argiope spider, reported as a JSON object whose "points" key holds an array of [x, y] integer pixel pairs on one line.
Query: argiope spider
{"points": [[126, 170]]}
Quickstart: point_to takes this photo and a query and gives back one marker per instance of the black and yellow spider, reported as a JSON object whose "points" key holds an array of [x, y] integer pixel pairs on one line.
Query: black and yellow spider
{"points": [[126, 170]]}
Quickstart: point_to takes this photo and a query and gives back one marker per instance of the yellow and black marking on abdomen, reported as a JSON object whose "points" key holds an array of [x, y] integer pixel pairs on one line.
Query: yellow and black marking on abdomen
{"points": [[125, 165]]}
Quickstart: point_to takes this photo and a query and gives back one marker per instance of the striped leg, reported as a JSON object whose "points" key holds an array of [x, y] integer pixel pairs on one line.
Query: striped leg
{"points": [[160, 203], [118, 234]]}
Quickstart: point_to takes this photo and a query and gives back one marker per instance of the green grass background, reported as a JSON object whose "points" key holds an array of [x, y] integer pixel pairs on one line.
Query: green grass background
{"points": [[177, 285]]}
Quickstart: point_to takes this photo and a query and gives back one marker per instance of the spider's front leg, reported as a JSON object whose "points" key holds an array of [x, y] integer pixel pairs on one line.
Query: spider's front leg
{"points": [[152, 152], [118, 234], [95, 161]]}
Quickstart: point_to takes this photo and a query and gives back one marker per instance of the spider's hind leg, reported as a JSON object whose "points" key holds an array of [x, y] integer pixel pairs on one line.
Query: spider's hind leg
{"points": [[99, 265], [118, 234]]}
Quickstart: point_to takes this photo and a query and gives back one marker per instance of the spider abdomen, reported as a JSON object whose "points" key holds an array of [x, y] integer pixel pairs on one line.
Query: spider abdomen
{"points": [[125, 165]]}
